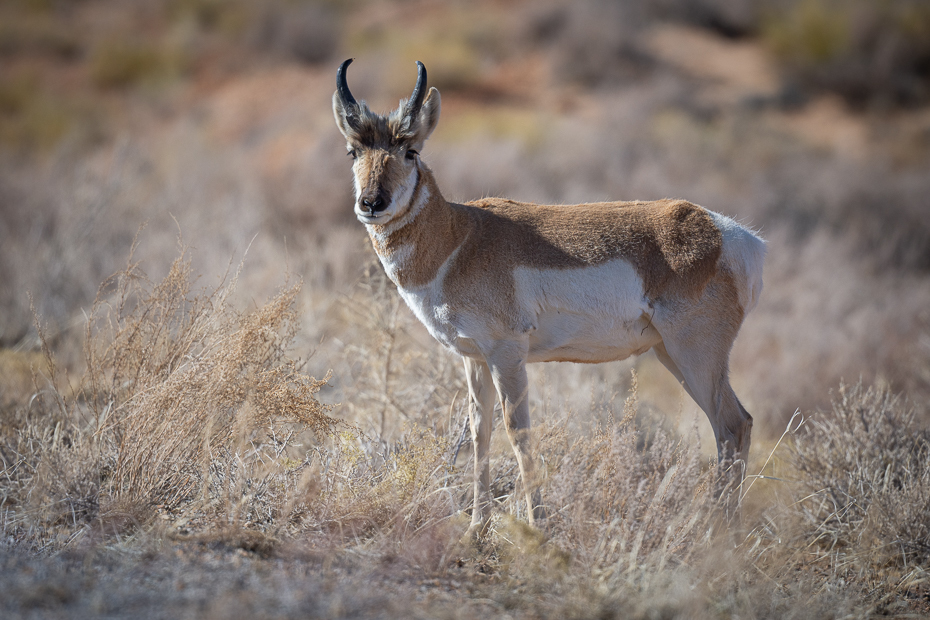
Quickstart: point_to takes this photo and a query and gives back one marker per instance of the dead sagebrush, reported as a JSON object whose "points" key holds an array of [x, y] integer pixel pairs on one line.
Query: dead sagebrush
{"points": [[175, 378], [627, 502], [397, 500], [187, 406], [846, 518], [400, 375], [864, 472]]}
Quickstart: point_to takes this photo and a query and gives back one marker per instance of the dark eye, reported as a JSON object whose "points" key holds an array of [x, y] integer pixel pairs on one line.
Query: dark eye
{"points": [[411, 154], [352, 154]]}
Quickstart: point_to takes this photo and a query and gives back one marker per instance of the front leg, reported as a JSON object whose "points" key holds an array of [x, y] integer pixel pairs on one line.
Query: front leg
{"points": [[507, 361], [481, 415]]}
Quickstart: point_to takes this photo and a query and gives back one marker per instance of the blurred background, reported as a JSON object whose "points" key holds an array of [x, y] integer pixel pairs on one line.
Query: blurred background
{"points": [[207, 124]]}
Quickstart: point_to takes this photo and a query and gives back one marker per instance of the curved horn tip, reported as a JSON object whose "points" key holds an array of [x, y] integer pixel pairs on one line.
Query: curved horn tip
{"points": [[340, 72], [342, 86], [419, 91]]}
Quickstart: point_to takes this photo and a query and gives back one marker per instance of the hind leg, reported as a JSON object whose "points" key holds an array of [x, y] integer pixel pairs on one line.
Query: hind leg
{"points": [[708, 385], [667, 361], [695, 347]]}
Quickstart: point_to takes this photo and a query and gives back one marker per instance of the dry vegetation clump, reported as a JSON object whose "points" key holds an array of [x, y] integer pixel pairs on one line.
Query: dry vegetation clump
{"points": [[173, 378], [864, 484], [397, 502], [186, 405], [842, 516], [640, 499]]}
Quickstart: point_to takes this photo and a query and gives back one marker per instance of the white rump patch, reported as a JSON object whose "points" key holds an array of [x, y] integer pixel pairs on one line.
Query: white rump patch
{"points": [[743, 254]]}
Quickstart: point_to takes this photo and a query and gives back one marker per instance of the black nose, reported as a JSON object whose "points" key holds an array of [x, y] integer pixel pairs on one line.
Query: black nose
{"points": [[375, 204]]}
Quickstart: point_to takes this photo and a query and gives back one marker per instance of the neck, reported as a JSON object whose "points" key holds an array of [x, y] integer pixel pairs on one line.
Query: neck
{"points": [[414, 245]]}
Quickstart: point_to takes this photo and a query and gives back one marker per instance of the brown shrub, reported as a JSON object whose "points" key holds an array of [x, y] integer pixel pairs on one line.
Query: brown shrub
{"points": [[864, 473], [186, 405]]}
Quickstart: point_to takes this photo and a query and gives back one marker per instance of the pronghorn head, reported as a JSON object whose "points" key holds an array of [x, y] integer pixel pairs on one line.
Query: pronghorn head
{"points": [[385, 149]]}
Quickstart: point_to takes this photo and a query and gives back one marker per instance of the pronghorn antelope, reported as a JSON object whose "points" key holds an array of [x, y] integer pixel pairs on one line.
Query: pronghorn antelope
{"points": [[505, 283]]}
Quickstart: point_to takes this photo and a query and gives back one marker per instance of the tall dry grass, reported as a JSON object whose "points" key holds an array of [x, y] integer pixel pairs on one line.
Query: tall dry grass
{"points": [[185, 403], [193, 429], [865, 483]]}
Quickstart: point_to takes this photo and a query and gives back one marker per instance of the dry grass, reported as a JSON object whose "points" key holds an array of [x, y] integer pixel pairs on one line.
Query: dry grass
{"points": [[865, 484], [185, 405], [187, 440]]}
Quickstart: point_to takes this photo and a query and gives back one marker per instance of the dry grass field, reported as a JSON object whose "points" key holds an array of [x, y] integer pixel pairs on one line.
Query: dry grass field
{"points": [[213, 403]]}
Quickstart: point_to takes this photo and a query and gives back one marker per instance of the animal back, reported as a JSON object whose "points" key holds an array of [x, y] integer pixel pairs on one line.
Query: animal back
{"points": [[673, 245]]}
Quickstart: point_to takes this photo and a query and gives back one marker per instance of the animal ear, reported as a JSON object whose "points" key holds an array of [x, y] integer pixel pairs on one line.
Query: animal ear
{"points": [[428, 117], [343, 112]]}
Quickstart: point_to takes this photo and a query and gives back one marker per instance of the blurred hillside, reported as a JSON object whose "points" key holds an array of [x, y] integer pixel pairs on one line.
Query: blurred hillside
{"points": [[211, 119]]}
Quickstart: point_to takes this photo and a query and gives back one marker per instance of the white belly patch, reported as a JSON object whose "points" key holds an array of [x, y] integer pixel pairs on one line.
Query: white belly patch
{"points": [[591, 314]]}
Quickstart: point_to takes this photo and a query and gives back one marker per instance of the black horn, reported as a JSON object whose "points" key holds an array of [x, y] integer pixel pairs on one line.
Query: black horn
{"points": [[419, 92], [343, 87]]}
